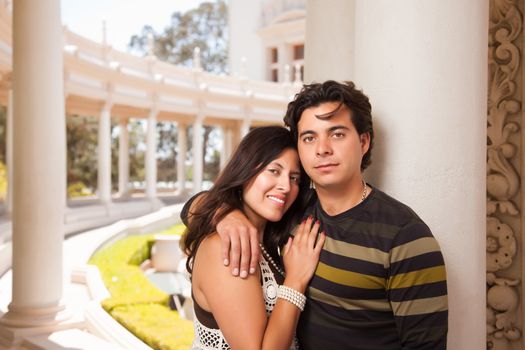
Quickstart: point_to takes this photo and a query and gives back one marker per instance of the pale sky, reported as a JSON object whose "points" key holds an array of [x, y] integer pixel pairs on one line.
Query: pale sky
{"points": [[123, 17]]}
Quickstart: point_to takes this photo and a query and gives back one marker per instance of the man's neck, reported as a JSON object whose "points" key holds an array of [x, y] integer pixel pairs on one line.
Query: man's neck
{"points": [[338, 199]]}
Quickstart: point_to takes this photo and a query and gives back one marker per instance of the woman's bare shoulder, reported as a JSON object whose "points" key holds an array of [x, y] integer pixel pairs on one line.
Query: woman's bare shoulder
{"points": [[208, 256], [211, 245]]}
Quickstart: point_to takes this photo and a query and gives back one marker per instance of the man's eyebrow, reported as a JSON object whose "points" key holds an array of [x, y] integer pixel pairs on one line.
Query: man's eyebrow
{"points": [[331, 129], [307, 132], [337, 127]]}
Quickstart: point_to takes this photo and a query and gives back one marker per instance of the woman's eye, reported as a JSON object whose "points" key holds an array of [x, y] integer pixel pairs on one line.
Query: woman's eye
{"points": [[295, 178], [273, 171]]}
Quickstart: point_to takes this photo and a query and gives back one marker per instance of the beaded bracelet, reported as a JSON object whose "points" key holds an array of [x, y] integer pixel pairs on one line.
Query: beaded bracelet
{"points": [[292, 296]]}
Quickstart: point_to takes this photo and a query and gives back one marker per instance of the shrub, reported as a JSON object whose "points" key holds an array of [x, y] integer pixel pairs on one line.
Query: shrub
{"points": [[172, 333], [135, 302], [78, 189], [3, 180]]}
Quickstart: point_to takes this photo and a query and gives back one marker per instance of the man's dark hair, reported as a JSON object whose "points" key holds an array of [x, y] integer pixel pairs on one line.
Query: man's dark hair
{"points": [[355, 100]]}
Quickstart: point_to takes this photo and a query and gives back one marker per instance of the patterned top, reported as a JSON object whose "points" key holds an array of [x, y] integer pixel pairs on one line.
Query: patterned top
{"points": [[210, 337], [380, 283]]}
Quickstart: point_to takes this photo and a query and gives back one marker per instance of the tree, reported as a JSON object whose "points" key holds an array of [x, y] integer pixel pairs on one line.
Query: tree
{"points": [[137, 154], [166, 152], [206, 28], [81, 138]]}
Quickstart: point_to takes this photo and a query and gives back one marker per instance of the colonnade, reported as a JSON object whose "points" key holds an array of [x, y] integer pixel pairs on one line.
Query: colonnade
{"points": [[104, 189]]}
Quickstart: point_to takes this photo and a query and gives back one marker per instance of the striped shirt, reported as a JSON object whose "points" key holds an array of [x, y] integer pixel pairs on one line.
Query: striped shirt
{"points": [[380, 283]]}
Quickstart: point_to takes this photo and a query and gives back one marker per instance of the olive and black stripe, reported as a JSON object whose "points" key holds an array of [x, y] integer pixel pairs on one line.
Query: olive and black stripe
{"points": [[380, 283]]}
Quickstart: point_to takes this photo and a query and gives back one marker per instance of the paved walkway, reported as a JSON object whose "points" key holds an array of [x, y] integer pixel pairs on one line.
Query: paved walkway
{"points": [[77, 250]]}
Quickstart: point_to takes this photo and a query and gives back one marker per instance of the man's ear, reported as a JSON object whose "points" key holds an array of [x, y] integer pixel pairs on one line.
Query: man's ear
{"points": [[365, 142]]}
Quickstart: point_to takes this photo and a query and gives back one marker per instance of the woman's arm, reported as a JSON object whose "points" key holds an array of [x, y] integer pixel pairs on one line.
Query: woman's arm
{"points": [[238, 304]]}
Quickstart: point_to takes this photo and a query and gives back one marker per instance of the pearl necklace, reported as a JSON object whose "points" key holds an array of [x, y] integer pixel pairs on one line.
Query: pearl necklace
{"points": [[269, 258]]}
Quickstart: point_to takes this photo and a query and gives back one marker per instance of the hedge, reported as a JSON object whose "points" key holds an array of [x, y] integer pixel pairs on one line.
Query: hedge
{"points": [[135, 302]]}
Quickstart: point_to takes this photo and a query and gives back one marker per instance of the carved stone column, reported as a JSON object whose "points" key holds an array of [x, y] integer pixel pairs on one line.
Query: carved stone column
{"points": [[504, 147]]}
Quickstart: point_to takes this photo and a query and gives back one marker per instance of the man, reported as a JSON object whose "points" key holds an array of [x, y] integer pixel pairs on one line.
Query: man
{"points": [[380, 282]]}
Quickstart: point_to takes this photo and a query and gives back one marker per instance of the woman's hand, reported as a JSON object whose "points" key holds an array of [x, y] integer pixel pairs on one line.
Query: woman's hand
{"points": [[301, 254]]}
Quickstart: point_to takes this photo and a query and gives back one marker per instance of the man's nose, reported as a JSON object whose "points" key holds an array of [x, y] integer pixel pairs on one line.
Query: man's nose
{"points": [[323, 147]]}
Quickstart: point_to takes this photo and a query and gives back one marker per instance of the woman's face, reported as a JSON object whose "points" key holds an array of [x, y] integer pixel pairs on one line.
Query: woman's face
{"points": [[271, 192]]}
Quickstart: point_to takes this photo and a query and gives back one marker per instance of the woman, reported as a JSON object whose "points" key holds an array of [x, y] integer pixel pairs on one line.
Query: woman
{"points": [[263, 180]]}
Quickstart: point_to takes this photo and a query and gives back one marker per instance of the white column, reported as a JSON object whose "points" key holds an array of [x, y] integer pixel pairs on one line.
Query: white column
{"points": [[123, 159], [198, 158], [245, 124], [429, 101], [182, 145], [39, 159], [284, 52], [324, 45], [9, 151], [227, 145], [151, 156], [104, 155]]}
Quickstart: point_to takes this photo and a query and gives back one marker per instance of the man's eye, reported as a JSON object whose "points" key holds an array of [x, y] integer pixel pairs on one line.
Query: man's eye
{"points": [[338, 135], [308, 139]]}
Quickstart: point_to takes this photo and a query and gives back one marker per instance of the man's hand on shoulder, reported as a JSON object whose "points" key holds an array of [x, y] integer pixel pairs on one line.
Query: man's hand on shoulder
{"points": [[240, 243]]}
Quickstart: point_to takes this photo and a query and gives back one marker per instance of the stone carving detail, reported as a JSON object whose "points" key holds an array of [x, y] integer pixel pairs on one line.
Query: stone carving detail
{"points": [[504, 60], [502, 307], [501, 245], [503, 179]]}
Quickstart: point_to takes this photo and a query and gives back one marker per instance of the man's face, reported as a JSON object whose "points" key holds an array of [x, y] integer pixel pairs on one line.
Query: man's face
{"points": [[330, 149]]}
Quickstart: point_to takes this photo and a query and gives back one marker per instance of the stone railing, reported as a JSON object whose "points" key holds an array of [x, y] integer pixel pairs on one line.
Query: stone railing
{"points": [[96, 74]]}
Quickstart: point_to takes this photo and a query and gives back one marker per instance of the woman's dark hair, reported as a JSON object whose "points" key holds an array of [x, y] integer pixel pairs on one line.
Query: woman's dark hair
{"points": [[257, 149], [347, 94]]}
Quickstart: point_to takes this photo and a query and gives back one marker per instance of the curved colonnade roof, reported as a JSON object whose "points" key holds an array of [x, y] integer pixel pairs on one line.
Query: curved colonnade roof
{"points": [[98, 76]]}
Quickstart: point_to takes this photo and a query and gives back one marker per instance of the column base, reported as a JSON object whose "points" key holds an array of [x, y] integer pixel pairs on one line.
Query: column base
{"points": [[108, 206], [124, 195], [19, 324], [24, 317], [182, 192], [155, 203]]}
